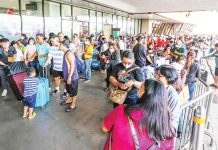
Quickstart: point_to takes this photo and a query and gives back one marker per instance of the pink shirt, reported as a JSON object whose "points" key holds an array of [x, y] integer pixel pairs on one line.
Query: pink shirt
{"points": [[31, 49], [121, 134]]}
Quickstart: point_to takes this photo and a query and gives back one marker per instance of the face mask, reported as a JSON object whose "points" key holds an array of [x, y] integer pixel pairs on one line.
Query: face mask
{"points": [[111, 50], [31, 43], [21, 38], [86, 43], [127, 66]]}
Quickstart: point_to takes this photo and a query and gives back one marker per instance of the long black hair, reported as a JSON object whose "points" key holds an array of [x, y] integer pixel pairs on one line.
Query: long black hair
{"points": [[157, 118]]}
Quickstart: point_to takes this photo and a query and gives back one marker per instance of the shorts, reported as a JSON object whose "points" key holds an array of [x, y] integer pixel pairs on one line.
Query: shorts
{"points": [[56, 73], [30, 101], [72, 89], [216, 71]]}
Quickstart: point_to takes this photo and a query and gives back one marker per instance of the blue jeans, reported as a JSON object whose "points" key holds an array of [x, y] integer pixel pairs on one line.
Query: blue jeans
{"points": [[88, 71], [191, 88], [34, 64]]}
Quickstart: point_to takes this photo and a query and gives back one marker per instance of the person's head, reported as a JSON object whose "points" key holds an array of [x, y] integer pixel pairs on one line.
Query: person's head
{"points": [[216, 46], [179, 44], [167, 75], [66, 38], [140, 40], [88, 41], [51, 34], [75, 35], [120, 37], [31, 72], [153, 102], [191, 56], [40, 38], [5, 44], [23, 36], [111, 37], [54, 40], [95, 46], [64, 46], [112, 47], [20, 42], [14, 44], [60, 36], [127, 59], [31, 41]]}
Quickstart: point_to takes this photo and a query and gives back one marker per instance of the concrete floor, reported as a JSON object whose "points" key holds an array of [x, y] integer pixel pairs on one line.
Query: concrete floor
{"points": [[53, 129]]}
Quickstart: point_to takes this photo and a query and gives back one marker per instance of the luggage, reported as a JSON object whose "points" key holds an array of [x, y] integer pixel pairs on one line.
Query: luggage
{"points": [[95, 65], [16, 84], [43, 94], [15, 68], [79, 64]]}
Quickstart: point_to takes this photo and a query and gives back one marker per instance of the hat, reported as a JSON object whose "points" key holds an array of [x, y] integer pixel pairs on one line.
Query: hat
{"points": [[66, 43], [140, 38]]}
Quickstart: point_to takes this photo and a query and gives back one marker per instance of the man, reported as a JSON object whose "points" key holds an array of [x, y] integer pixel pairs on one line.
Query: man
{"points": [[178, 51], [140, 52], [57, 56], [71, 76], [42, 49], [88, 60], [7, 55], [61, 37], [215, 54]]}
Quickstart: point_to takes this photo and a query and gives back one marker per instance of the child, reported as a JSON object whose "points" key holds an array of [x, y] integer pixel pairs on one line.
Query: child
{"points": [[30, 89]]}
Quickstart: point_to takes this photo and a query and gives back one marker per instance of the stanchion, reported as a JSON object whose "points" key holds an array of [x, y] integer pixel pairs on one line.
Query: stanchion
{"points": [[199, 121]]}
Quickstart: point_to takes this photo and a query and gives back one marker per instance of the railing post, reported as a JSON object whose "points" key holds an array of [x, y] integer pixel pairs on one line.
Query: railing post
{"points": [[199, 120]]}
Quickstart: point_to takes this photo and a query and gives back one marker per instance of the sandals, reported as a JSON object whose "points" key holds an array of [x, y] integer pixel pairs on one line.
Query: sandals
{"points": [[70, 109], [24, 116], [64, 103]]}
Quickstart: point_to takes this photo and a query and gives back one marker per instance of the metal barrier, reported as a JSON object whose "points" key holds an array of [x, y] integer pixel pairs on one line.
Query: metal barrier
{"points": [[201, 88], [186, 118]]}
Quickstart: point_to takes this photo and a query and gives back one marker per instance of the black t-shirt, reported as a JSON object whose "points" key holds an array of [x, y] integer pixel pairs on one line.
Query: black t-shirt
{"points": [[140, 53], [4, 55], [119, 73]]}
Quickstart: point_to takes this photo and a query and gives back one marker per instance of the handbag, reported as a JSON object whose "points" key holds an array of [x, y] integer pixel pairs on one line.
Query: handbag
{"points": [[117, 95], [136, 140]]}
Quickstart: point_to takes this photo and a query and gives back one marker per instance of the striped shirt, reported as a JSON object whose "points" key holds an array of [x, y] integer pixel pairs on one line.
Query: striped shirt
{"points": [[57, 56], [30, 86]]}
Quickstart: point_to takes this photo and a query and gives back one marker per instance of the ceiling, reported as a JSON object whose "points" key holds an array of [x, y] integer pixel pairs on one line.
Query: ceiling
{"points": [[160, 6]]}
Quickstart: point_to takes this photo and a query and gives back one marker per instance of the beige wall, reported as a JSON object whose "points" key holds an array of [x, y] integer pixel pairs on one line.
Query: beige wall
{"points": [[146, 26]]}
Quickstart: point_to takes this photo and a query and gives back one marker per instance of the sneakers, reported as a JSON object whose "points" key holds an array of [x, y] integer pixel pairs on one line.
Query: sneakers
{"points": [[4, 93], [55, 92], [87, 80]]}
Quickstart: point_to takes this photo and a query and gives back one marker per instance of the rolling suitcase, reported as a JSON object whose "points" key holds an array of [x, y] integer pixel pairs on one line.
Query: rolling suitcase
{"points": [[16, 84], [43, 95]]}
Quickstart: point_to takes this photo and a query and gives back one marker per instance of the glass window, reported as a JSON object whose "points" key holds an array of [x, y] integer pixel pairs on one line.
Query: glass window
{"points": [[114, 21], [120, 22], [136, 26], [10, 26], [80, 14], [52, 18], [129, 23], [139, 26], [92, 25], [107, 19], [123, 30], [132, 26], [66, 11], [99, 22], [67, 28], [32, 17]]}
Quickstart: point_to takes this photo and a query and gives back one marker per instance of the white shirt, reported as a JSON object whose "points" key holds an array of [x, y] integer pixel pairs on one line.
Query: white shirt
{"points": [[72, 47], [177, 66], [57, 56], [121, 44], [19, 55]]}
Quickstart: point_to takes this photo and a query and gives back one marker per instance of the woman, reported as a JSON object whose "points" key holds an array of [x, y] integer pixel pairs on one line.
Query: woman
{"points": [[168, 75], [30, 55], [151, 119], [24, 39], [122, 79], [113, 58], [19, 56]]}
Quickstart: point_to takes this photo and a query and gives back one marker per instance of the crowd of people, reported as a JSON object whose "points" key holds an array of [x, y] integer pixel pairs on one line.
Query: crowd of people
{"points": [[152, 69]]}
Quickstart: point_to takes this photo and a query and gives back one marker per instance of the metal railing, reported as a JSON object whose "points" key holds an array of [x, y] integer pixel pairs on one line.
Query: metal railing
{"points": [[203, 98]]}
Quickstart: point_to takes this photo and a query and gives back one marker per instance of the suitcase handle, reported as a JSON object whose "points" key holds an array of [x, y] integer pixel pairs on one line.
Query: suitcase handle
{"points": [[44, 72]]}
